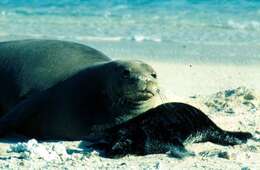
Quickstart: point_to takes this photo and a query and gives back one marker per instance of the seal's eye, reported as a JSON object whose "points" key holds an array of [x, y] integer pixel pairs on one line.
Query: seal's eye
{"points": [[154, 75], [126, 73]]}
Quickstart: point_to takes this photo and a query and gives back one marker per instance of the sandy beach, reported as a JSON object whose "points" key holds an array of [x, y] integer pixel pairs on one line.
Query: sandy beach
{"points": [[190, 78]]}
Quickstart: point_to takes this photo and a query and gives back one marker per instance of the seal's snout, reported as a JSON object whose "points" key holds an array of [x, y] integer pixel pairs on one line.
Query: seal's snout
{"points": [[152, 87], [145, 89]]}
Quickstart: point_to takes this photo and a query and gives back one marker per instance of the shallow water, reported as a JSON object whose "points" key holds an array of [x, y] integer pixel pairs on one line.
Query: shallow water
{"points": [[204, 31]]}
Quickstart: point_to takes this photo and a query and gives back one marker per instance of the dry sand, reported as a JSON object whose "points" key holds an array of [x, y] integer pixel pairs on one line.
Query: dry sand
{"points": [[215, 90]]}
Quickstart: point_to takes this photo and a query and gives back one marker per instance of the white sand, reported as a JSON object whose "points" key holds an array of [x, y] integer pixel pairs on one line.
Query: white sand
{"points": [[188, 79], [232, 108]]}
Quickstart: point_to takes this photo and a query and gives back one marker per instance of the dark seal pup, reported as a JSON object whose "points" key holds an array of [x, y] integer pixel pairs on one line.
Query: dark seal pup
{"points": [[49, 97], [167, 127]]}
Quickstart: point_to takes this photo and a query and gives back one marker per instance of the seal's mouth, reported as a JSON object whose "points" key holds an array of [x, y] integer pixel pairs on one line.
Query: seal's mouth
{"points": [[138, 97], [144, 95]]}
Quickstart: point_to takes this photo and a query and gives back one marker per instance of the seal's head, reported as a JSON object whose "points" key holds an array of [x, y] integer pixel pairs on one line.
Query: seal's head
{"points": [[132, 89]]}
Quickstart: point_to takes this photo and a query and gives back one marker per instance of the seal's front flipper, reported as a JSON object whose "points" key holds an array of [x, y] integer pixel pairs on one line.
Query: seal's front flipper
{"points": [[120, 149], [119, 142], [179, 152], [122, 143], [113, 149]]}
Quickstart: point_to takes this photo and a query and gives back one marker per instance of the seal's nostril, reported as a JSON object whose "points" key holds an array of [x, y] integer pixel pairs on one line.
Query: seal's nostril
{"points": [[158, 90], [154, 75]]}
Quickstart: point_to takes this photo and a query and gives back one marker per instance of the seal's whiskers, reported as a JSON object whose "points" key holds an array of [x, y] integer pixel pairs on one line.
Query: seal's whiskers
{"points": [[163, 98]]}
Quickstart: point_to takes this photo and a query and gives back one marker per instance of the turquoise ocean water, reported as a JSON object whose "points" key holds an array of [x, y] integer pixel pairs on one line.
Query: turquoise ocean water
{"points": [[204, 31]]}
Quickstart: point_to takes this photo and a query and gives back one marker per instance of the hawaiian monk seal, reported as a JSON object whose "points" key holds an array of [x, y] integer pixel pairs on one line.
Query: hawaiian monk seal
{"points": [[167, 127], [102, 94]]}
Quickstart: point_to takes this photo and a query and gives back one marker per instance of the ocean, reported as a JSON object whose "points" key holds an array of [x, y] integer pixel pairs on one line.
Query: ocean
{"points": [[182, 30], [189, 32]]}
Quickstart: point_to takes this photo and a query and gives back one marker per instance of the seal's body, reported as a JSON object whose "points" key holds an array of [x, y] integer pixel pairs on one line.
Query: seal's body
{"points": [[30, 66], [165, 128]]}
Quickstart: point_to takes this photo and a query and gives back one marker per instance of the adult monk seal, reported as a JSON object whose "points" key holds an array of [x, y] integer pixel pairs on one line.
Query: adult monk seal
{"points": [[167, 127], [49, 99]]}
